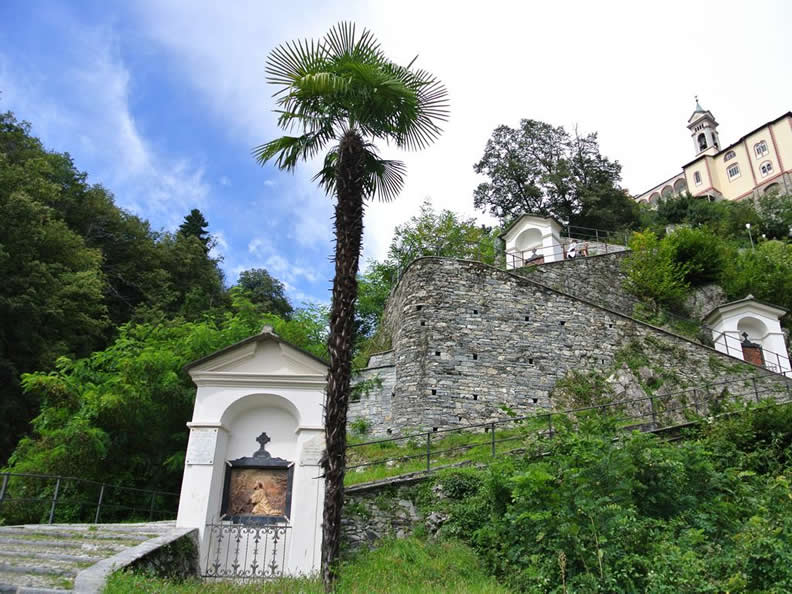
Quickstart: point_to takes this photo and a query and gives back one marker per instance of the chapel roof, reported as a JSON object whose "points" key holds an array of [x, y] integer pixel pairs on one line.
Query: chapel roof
{"points": [[266, 333]]}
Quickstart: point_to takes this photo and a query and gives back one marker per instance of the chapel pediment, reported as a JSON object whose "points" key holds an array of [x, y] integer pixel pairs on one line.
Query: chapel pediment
{"points": [[262, 354]]}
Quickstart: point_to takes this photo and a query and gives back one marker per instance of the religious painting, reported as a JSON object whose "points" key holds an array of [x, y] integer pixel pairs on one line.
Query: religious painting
{"points": [[258, 487], [258, 491]]}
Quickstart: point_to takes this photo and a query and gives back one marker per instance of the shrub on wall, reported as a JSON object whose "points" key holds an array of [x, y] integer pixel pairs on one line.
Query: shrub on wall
{"points": [[703, 253], [653, 273]]}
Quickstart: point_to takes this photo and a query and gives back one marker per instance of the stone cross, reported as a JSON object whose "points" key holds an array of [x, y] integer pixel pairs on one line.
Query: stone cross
{"points": [[263, 440]]}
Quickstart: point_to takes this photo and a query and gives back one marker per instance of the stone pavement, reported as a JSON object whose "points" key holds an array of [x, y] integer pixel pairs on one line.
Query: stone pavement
{"points": [[44, 558]]}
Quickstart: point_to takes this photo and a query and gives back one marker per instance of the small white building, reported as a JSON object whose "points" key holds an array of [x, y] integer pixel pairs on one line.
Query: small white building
{"points": [[750, 330], [532, 239], [252, 482]]}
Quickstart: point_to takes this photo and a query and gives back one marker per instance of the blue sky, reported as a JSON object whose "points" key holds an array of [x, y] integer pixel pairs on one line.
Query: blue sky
{"points": [[162, 101]]}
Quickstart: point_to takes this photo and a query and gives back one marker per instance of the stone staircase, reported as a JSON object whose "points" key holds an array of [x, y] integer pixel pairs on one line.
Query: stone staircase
{"points": [[44, 558]]}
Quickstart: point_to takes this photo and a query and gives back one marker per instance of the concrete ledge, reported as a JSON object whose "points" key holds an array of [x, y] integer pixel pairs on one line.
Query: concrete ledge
{"points": [[92, 579]]}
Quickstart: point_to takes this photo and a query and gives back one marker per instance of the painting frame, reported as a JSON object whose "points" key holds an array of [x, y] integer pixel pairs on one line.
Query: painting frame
{"points": [[264, 462]]}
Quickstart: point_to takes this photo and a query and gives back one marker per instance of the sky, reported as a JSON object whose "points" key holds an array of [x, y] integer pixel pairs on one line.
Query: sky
{"points": [[162, 101]]}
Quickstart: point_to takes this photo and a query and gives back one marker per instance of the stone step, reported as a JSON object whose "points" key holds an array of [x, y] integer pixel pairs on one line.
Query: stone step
{"points": [[101, 535], [44, 558], [104, 548], [7, 555], [28, 583]]}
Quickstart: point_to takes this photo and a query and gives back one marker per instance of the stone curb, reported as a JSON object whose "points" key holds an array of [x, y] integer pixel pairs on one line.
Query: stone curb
{"points": [[92, 579]]}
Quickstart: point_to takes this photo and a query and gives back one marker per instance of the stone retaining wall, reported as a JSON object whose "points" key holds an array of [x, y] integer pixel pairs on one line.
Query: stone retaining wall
{"points": [[375, 403], [470, 340], [597, 278]]}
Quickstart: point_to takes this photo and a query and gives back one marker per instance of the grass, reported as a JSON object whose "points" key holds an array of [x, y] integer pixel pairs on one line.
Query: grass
{"points": [[446, 448], [398, 566]]}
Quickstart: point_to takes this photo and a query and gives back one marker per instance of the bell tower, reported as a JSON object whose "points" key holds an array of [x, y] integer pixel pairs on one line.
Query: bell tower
{"points": [[704, 131]]}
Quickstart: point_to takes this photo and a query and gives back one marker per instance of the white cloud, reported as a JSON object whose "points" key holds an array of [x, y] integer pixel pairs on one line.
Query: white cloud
{"points": [[96, 111], [220, 248], [224, 181], [263, 254]]}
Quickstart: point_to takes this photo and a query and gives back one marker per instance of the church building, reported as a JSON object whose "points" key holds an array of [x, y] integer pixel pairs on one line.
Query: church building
{"points": [[758, 163]]}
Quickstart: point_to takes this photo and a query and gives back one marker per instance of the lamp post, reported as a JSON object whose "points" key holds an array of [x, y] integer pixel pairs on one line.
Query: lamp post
{"points": [[748, 226]]}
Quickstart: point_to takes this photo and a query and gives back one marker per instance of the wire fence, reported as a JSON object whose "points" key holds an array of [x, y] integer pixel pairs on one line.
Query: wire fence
{"points": [[480, 442], [46, 499]]}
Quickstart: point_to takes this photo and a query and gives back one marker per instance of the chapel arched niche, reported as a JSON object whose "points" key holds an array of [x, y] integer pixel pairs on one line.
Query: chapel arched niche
{"points": [[528, 240], [246, 418]]}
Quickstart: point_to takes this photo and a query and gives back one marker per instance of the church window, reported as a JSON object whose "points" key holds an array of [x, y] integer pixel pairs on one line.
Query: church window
{"points": [[766, 168], [729, 155], [697, 178], [761, 149], [702, 141], [733, 171]]}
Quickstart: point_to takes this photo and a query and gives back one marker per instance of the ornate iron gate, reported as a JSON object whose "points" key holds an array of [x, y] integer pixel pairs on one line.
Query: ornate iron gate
{"points": [[245, 551]]}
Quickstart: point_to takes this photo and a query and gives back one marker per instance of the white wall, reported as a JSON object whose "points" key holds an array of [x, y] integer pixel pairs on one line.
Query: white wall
{"points": [[533, 232], [238, 399]]}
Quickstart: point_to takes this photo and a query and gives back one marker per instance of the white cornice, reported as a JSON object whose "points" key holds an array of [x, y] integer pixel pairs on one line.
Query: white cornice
{"points": [[231, 379]]}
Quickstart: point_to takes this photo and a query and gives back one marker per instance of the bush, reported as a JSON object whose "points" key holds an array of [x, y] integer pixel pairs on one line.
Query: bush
{"points": [[653, 274], [605, 512], [702, 252]]}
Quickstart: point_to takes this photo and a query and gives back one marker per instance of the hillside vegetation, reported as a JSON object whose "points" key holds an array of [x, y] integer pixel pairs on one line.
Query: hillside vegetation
{"points": [[607, 512]]}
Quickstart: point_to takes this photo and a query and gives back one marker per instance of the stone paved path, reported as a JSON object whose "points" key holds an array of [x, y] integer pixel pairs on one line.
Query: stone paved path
{"points": [[41, 558]]}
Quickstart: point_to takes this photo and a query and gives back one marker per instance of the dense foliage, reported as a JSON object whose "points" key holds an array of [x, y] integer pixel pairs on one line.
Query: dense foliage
{"points": [[691, 242], [74, 266], [542, 169], [81, 275], [119, 414], [444, 234], [610, 512]]}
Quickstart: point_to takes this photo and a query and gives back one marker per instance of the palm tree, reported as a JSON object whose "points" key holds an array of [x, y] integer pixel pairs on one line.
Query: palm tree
{"points": [[342, 91]]}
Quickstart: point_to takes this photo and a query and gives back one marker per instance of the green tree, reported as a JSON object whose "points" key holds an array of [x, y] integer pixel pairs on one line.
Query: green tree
{"points": [[195, 225], [542, 169], [265, 291], [445, 234], [702, 252], [342, 89], [652, 272], [765, 272], [118, 415], [776, 211]]}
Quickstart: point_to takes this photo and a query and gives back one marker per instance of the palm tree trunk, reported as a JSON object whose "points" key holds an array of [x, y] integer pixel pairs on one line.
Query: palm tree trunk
{"points": [[349, 235]]}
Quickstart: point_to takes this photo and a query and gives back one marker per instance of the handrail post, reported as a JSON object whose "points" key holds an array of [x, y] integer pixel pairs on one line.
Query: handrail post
{"points": [[550, 424], [428, 451], [3, 488], [151, 509], [654, 413], [54, 501], [695, 400], [99, 504], [756, 390], [492, 430]]}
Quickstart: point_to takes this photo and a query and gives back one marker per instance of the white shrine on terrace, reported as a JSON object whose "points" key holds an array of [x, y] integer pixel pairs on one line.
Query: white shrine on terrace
{"points": [[750, 330], [532, 239], [252, 482]]}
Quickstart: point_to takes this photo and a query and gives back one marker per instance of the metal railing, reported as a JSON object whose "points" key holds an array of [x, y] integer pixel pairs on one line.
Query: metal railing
{"points": [[441, 448], [244, 551], [558, 252], [27, 498], [723, 342]]}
